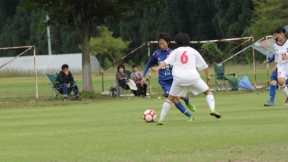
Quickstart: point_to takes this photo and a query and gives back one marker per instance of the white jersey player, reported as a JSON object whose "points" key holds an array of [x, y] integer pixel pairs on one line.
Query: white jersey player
{"points": [[281, 58], [186, 61]]}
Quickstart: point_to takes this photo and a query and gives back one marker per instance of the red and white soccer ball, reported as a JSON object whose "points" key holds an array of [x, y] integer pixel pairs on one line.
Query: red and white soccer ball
{"points": [[149, 116]]}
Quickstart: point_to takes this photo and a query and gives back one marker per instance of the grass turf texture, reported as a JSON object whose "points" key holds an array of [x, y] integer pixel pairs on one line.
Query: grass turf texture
{"points": [[112, 129], [115, 131]]}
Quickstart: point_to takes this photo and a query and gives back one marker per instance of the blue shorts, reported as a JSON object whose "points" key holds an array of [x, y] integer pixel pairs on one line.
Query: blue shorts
{"points": [[274, 76], [166, 86]]}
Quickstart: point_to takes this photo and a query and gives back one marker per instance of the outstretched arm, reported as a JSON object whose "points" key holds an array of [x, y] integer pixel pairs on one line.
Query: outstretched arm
{"points": [[207, 74], [154, 69], [151, 61]]}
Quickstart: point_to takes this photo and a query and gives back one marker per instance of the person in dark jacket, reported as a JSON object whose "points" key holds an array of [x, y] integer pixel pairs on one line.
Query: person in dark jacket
{"points": [[66, 80]]}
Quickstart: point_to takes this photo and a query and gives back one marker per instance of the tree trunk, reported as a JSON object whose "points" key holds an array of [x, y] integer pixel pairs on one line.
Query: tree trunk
{"points": [[86, 67]]}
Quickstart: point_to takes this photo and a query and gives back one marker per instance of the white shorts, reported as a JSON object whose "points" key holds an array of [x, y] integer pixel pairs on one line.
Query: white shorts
{"points": [[282, 71], [198, 86]]}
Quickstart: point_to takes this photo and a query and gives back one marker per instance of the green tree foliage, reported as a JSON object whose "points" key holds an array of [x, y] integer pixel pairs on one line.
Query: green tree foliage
{"points": [[210, 52], [106, 44], [22, 28], [85, 16], [201, 18], [268, 15], [232, 17]]}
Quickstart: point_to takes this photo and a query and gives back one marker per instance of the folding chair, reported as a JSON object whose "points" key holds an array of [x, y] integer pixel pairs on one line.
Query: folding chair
{"points": [[128, 73], [220, 78], [56, 86], [120, 90]]}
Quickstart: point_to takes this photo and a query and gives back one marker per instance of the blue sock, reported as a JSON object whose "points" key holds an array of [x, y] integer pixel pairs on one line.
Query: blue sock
{"points": [[182, 109], [186, 100], [273, 89]]}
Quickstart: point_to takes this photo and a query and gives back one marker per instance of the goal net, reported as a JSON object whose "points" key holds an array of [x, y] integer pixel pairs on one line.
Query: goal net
{"points": [[26, 49], [245, 42]]}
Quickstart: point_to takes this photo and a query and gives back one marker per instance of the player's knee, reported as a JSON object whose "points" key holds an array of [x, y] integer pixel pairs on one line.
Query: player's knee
{"points": [[273, 82], [208, 92], [281, 81], [175, 100]]}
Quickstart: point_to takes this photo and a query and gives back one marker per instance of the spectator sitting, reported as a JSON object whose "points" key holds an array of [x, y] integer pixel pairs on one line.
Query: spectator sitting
{"points": [[123, 79], [137, 77], [66, 80]]}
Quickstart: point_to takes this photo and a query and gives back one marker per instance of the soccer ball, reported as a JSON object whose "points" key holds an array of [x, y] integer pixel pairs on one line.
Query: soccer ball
{"points": [[149, 115]]}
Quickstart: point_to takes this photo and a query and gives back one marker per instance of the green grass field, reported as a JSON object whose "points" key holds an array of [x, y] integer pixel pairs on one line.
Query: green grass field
{"points": [[112, 129]]}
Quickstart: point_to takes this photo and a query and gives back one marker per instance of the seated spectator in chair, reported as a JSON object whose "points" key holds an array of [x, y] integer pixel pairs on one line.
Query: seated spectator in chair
{"points": [[123, 78], [137, 77], [67, 82]]}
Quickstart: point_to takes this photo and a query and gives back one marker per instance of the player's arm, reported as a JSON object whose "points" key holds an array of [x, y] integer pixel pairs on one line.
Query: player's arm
{"points": [[151, 62], [154, 69], [167, 61], [269, 60]]}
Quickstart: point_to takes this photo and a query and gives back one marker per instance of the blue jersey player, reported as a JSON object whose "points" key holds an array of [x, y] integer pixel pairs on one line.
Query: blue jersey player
{"points": [[165, 77]]}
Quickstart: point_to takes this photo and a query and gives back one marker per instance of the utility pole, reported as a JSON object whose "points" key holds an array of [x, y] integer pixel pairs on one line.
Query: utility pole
{"points": [[48, 36]]}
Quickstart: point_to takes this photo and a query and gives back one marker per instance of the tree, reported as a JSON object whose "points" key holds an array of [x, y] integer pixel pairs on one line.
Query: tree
{"points": [[268, 15], [210, 52], [85, 16], [107, 44], [232, 17]]}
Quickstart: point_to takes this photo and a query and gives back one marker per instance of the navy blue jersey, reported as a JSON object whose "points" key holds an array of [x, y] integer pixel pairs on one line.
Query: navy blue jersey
{"points": [[159, 56]]}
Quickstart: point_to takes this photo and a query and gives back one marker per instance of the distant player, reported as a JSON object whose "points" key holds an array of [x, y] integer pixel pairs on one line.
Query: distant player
{"points": [[186, 61], [273, 84], [281, 58], [273, 80], [165, 77]]}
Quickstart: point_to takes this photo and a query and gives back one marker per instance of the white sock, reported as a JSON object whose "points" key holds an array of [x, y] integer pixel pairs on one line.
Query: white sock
{"points": [[210, 101], [165, 108], [284, 90]]}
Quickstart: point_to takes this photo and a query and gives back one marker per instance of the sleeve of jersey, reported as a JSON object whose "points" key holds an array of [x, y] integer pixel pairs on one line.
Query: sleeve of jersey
{"points": [[149, 64], [275, 55], [200, 62], [271, 59], [170, 59]]}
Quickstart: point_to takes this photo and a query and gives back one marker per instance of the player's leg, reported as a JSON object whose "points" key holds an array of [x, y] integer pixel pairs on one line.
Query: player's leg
{"points": [[273, 88], [286, 102], [188, 104], [282, 80], [165, 108], [173, 93], [166, 86], [211, 103], [199, 86], [180, 107]]}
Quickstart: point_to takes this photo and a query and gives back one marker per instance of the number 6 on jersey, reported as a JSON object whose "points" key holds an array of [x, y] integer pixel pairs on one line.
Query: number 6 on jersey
{"points": [[184, 58]]}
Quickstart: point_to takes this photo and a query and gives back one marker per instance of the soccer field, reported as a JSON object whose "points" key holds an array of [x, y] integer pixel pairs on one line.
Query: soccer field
{"points": [[113, 130], [108, 129]]}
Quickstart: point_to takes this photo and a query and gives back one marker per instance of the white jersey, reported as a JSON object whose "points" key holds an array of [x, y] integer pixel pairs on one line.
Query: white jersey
{"points": [[185, 60], [279, 51]]}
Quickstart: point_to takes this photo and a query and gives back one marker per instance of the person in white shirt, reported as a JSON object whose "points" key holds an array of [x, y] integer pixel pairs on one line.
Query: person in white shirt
{"points": [[281, 58], [186, 61]]}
